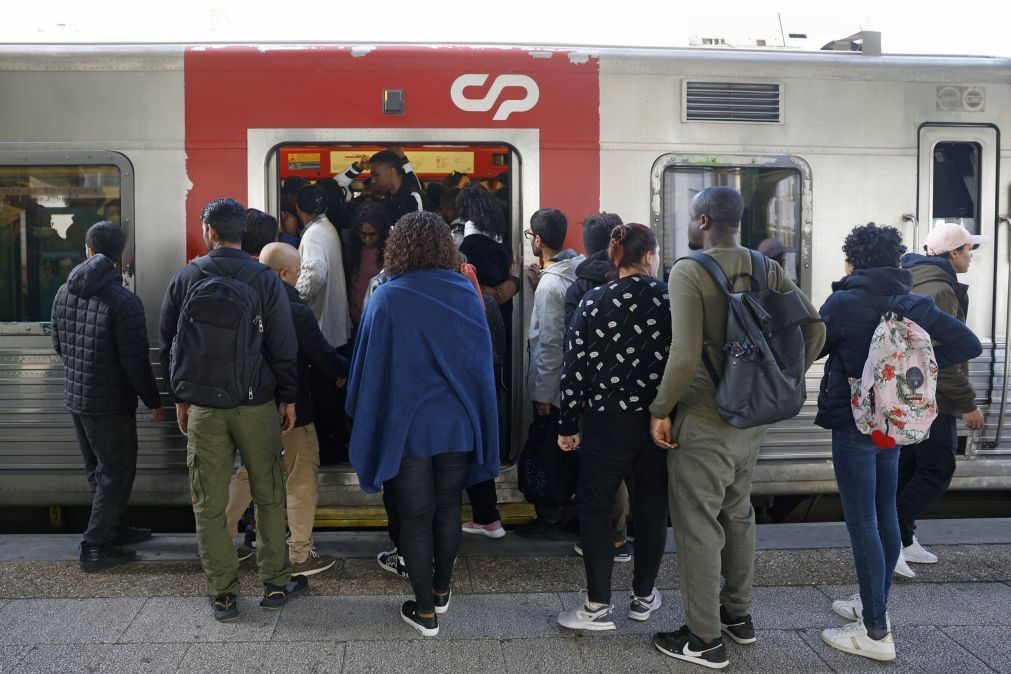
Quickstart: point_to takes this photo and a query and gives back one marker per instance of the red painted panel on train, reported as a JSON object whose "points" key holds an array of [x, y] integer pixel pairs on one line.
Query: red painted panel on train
{"points": [[232, 89]]}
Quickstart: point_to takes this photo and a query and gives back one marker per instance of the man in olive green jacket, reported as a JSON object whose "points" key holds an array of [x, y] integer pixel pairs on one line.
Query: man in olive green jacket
{"points": [[710, 463], [925, 469]]}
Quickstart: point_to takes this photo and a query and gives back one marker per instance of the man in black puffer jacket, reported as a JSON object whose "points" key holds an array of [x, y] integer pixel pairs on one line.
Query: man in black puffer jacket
{"points": [[99, 331]]}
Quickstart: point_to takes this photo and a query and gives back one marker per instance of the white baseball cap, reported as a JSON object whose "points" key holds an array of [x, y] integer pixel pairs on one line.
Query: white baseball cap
{"points": [[949, 236]]}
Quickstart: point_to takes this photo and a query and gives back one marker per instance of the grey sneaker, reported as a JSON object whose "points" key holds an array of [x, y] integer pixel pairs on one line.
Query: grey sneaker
{"points": [[313, 564], [244, 552], [741, 630], [583, 618], [641, 608]]}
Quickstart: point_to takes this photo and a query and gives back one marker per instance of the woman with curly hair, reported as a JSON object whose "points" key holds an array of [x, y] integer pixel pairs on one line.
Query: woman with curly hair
{"points": [[867, 475], [422, 395], [363, 254]]}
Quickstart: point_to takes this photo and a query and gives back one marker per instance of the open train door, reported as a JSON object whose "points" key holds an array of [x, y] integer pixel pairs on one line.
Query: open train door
{"points": [[957, 181]]}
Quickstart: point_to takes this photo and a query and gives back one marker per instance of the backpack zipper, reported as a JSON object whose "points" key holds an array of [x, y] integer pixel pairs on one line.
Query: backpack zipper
{"points": [[259, 323]]}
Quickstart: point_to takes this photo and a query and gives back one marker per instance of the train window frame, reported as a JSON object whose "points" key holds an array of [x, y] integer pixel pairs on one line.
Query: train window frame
{"points": [[84, 158], [975, 192], [262, 147], [697, 161]]}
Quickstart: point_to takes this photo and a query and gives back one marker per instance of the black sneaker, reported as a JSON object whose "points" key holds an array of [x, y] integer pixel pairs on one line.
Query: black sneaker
{"points": [[276, 596], [684, 645], [539, 529], [130, 535], [428, 627], [98, 557], [442, 602], [741, 630], [225, 608], [392, 561]]}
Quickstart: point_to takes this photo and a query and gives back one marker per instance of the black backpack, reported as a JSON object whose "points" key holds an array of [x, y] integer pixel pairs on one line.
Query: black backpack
{"points": [[547, 475], [218, 348], [763, 378]]}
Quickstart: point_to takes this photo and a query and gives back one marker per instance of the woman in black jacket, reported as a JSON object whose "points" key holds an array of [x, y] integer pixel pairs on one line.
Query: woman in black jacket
{"points": [[866, 474], [615, 351]]}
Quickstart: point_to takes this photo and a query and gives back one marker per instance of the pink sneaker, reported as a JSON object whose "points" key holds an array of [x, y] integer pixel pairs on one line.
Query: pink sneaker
{"points": [[493, 530]]}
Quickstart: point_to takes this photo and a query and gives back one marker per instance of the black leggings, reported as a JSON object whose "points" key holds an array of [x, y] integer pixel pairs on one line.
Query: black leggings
{"points": [[613, 446], [428, 493]]}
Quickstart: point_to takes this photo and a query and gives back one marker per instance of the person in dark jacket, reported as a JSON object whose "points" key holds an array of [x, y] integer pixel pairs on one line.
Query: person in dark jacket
{"points": [[926, 469], [301, 446], [214, 434], [867, 475], [99, 331], [592, 271]]}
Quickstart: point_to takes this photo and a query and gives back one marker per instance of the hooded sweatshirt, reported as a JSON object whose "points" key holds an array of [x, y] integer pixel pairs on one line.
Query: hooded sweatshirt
{"points": [[547, 328], [935, 277], [99, 330], [590, 273]]}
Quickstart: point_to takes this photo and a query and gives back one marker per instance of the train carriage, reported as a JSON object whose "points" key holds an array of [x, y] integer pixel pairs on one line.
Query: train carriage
{"points": [[816, 142]]}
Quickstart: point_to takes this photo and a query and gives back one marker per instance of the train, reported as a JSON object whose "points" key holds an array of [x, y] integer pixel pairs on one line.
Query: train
{"points": [[817, 142]]}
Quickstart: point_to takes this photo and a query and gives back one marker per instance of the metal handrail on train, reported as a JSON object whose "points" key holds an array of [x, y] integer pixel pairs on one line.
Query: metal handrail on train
{"points": [[999, 434]]}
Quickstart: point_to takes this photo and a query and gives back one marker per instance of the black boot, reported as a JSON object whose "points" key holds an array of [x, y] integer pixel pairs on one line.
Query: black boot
{"points": [[130, 535], [98, 557]]}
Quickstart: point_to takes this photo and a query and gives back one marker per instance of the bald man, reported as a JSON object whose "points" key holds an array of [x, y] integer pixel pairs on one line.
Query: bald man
{"points": [[301, 446]]}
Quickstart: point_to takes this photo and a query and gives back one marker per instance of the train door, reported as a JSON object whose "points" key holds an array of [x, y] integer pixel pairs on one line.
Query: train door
{"points": [[957, 181], [504, 161]]}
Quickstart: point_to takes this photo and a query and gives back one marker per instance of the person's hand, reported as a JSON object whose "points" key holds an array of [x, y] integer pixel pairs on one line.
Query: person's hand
{"points": [[158, 414], [534, 275], [542, 409], [514, 270], [286, 412], [568, 443], [363, 162], [182, 416], [974, 420], [660, 429], [341, 381]]}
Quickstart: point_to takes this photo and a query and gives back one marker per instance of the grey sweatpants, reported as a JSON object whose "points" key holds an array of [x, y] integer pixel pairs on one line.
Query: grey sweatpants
{"points": [[714, 524]]}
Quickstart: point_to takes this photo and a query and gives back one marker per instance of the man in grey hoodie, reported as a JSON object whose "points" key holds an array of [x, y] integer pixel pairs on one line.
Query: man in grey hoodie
{"points": [[547, 231]]}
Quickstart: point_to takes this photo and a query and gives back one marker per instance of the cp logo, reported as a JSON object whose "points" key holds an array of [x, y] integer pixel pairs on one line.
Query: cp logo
{"points": [[486, 103]]}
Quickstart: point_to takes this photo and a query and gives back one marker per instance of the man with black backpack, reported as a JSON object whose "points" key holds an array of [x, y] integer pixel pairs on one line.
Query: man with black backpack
{"points": [[228, 345], [721, 419]]}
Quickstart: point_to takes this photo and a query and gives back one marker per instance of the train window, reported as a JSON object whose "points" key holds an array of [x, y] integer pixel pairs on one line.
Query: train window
{"points": [[772, 198], [957, 167], [45, 211]]}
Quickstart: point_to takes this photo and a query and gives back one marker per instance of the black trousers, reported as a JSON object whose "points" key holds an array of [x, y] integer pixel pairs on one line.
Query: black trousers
{"points": [[428, 494], [109, 446], [925, 471], [484, 502], [614, 445], [392, 514]]}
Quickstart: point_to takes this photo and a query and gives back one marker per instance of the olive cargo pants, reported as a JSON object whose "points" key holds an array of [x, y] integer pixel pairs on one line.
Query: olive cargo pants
{"points": [[714, 524], [213, 435]]}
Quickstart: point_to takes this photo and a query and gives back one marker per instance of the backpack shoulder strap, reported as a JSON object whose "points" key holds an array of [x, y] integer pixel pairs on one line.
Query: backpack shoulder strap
{"points": [[760, 269], [246, 272], [714, 270]]}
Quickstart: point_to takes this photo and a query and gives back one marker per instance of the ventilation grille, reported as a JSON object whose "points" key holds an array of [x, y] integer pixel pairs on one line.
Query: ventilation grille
{"points": [[732, 102]]}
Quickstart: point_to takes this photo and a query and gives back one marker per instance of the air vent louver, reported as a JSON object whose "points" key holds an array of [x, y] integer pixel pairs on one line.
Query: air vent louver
{"points": [[732, 102]]}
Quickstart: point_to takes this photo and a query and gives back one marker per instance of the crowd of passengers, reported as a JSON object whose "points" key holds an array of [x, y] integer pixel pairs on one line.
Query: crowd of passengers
{"points": [[399, 319]]}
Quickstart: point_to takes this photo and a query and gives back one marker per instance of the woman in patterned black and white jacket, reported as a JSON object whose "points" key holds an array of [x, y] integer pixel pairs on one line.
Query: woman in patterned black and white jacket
{"points": [[615, 352]]}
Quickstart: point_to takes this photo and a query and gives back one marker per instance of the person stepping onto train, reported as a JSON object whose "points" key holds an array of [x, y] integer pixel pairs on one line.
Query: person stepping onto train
{"points": [[99, 331], [422, 396], [866, 462], [301, 447], [229, 347], [615, 350], [711, 460], [926, 469]]}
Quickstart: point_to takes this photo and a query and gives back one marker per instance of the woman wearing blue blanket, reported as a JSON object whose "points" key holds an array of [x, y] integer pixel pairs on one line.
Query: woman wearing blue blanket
{"points": [[422, 395]]}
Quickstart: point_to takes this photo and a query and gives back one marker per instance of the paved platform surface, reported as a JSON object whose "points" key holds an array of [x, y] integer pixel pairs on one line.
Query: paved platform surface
{"points": [[152, 616]]}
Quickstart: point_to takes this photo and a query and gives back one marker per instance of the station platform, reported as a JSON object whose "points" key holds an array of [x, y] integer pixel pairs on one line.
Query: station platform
{"points": [[152, 615]]}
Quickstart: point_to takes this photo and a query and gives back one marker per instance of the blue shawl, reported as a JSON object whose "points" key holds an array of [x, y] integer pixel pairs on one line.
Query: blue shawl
{"points": [[422, 332]]}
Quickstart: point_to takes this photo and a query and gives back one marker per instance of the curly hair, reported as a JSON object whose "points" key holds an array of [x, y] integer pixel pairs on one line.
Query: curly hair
{"points": [[420, 240], [477, 205], [873, 245]]}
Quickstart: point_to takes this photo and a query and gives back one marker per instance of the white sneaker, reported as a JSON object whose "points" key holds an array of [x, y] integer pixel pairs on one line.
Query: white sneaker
{"points": [[583, 618], [852, 609], [853, 639], [916, 554], [902, 568]]}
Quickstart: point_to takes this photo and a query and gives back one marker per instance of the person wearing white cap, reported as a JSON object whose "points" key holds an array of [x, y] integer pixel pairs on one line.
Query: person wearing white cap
{"points": [[925, 470]]}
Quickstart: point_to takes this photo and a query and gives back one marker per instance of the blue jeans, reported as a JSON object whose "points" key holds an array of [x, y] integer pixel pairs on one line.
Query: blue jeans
{"points": [[867, 477]]}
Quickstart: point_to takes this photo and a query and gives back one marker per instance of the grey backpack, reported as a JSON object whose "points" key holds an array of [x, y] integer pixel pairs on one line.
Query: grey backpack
{"points": [[763, 378]]}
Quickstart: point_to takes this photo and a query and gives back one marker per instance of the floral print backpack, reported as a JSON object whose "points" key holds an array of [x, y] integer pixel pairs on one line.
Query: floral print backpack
{"points": [[894, 401]]}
